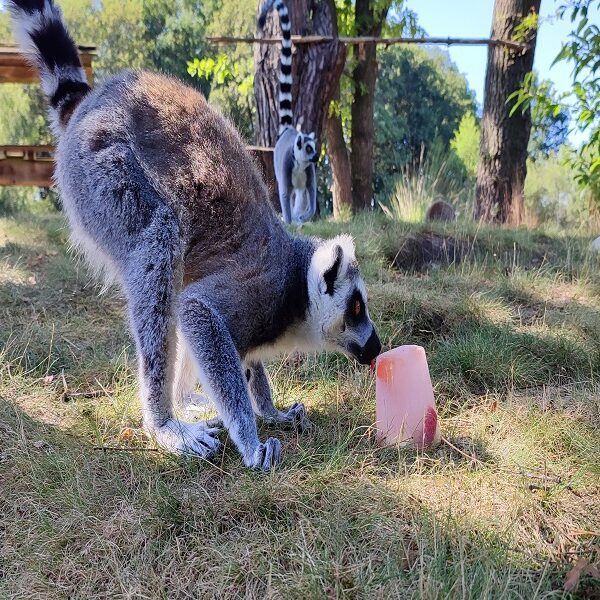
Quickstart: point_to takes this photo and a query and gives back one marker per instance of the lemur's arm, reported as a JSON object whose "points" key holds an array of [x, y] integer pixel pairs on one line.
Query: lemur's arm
{"points": [[262, 402], [220, 373]]}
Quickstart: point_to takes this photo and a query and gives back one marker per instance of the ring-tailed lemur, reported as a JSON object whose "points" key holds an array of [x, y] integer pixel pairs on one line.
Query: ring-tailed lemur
{"points": [[295, 153], [162, 196]]}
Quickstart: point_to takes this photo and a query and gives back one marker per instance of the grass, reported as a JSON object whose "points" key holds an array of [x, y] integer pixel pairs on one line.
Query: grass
{"points": [[501, 509]]}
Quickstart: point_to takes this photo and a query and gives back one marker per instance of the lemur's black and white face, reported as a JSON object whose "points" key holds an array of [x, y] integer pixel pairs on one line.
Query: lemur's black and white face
{"points": [[305, 148], [338, 302]]}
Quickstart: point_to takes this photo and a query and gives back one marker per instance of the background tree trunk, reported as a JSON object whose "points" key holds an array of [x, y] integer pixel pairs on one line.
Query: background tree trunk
{"points": [[316, 70], [503, 148], [368, 22], [340, 165]]}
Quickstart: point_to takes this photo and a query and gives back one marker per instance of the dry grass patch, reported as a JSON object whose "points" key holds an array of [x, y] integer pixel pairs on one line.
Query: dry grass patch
{"points": [[501, 509]]}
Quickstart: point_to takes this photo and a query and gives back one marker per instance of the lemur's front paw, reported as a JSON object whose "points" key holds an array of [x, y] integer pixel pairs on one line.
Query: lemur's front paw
{"points": [[297, 417], [266, 455], [188, 439]]}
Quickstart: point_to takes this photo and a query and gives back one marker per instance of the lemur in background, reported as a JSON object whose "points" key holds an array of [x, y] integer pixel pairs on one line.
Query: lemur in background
{"points": [[163, 198], [295, 152]]}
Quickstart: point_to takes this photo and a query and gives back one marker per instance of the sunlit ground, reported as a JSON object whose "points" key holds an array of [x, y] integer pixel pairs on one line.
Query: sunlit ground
{"points": [[502, 509]]}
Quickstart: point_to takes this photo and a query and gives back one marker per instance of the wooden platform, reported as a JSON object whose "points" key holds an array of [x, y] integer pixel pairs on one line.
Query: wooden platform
{"points": [[14, 67], [34, 165], [26, 165], [30, 165]]}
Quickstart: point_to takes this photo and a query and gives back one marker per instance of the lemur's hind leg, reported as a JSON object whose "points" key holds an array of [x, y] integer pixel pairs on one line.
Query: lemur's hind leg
{"points": [[221, 376], [149, 280], [262, 402]]}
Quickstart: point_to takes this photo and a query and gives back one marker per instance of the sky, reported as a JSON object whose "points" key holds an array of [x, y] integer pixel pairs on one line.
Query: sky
{"points": [[473, 18]]}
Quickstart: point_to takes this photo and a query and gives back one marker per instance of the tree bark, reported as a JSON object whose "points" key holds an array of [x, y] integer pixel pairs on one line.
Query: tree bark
{"points": [[340, 165], [503, 148], [368, 22], [316, 70]]}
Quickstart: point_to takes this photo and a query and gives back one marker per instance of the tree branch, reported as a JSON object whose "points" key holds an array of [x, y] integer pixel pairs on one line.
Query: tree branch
{"points": [[321, 39]]}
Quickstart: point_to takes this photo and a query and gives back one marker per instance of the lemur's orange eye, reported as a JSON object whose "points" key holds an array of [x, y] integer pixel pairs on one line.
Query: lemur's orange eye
{"points": [[356, 308]]}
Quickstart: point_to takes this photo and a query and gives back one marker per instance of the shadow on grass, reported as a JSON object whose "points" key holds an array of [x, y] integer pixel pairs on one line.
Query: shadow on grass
{"points": [[77, 521]]}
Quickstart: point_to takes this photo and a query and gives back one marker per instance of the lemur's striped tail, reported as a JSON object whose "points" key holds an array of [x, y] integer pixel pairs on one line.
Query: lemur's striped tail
{"points": [[42, 35], [285, 60]]}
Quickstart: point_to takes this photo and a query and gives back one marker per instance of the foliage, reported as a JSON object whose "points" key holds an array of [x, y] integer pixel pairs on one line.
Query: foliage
{"points": [[549, 129], [465, 143], [158, 34], [400, 21], [173, 31], [553, 195], [421, 98], [229, 75], [29, 200], [583, 102], [22, 118]]}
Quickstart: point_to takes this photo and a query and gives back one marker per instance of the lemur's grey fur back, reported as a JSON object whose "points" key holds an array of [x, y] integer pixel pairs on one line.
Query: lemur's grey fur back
{"points": [[295, 152], [162, 196]]}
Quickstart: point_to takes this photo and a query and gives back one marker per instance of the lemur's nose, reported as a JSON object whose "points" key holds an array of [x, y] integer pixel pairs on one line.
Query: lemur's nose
{"points": [[370, 350]]}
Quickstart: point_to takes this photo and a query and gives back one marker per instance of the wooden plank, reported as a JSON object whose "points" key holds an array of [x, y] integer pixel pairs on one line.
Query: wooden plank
{"points": [[15, 171], [26, 74]]}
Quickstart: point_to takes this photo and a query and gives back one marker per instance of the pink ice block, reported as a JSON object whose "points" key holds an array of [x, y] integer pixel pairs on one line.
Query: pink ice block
{"points": [[405, 409]]}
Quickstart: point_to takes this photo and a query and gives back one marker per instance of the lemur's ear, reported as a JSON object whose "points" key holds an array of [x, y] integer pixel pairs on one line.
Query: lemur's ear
{"points": [[330, 262], [311, 135], [331, 274]]}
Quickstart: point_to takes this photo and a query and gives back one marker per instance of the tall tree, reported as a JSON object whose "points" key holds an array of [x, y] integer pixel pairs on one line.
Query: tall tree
{"points": [[341, 172], [352, 170], [369, 18], [420, 100], [504, 138]]}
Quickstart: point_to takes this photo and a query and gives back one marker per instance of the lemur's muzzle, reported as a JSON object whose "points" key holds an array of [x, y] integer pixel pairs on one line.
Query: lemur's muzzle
{"points": [[367, 353]]}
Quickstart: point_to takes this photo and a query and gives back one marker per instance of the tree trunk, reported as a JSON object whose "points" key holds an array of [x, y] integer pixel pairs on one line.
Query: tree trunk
{"points": [[316, 70], [503, 148], [340, 165], [364, 76]]}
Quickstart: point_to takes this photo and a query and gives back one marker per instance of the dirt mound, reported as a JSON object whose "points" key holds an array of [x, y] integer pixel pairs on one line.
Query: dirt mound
{"points": [[427, 249]]}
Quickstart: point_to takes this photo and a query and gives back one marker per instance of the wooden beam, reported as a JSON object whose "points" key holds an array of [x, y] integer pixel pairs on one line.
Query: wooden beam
{"points": [[14, 67], [16, 171], [24, 149], [357, 41], [34, 165]]}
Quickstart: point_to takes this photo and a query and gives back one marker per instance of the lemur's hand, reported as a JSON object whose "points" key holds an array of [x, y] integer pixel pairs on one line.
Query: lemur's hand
{"points": [[296, 417], [265, 456]]}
